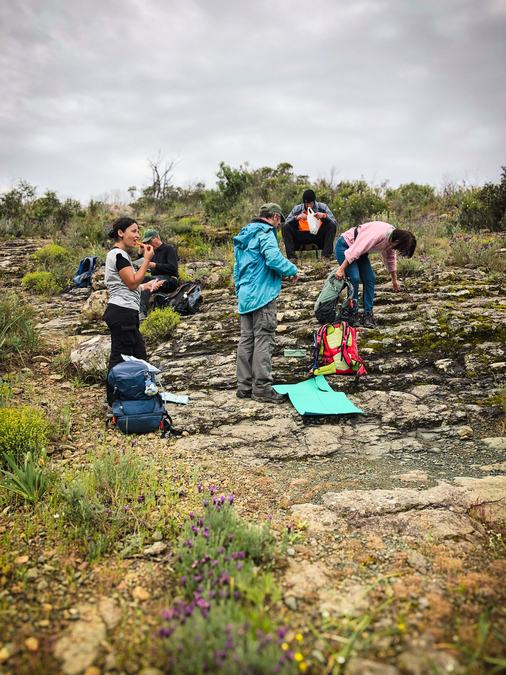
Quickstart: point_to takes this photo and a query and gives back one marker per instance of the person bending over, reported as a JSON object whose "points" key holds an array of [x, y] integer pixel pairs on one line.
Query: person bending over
{"points": [[352, 252]]}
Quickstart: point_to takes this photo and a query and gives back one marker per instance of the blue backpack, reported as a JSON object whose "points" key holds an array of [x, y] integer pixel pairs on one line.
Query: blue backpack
{"points": [[136, 410], [82, 277]]}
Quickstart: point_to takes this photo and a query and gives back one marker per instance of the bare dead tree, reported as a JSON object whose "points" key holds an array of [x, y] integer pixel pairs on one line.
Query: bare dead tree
{"points": [[162, 172]]}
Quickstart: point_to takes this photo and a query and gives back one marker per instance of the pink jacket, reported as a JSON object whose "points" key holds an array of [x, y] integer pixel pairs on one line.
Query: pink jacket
{"points": [[372, 237]]}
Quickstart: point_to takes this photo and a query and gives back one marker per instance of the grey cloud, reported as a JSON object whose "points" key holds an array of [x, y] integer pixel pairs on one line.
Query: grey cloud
{"points": [[385, 88]]}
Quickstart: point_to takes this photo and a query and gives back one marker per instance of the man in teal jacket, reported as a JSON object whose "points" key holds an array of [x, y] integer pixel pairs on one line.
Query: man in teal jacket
{"points": [[258, 268]]}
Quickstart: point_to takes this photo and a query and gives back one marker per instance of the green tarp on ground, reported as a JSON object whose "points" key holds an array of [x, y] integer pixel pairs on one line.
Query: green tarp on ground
{"points": [[316, 397]]}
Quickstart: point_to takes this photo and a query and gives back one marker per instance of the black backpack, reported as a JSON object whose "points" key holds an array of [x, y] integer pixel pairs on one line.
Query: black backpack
{"points": [[185, 300]]}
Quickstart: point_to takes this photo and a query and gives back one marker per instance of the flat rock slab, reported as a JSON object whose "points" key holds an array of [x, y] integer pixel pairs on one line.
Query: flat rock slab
{"points": [[79, 645]]}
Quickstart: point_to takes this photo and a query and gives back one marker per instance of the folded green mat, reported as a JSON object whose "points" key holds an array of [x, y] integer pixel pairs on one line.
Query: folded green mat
{"points": [[316, 397]]}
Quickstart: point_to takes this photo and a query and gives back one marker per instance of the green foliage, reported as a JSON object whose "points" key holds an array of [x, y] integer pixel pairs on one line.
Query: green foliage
{"points": [[485, 208], [479, 252], [186, 225], [17, 331], [111, 504], [28, 480], [160, 324], [184, 275], [22, 430], [41, 283], [51, 255], [223, 623], [356, 202], [410, 200]]}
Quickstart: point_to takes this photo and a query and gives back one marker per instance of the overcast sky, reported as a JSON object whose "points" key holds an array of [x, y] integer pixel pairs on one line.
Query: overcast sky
{"points": [[397, 90]]}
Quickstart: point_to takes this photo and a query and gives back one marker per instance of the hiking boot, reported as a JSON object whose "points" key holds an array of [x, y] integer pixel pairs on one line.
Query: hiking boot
{"points": [[270, 397], [367, 320], [350, 316], [243, 394]]}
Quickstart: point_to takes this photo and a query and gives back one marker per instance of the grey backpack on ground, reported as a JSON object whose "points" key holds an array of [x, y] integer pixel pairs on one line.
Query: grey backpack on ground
{"points": [[327, 307]]}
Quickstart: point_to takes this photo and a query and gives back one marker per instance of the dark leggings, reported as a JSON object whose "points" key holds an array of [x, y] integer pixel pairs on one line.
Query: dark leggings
{"points": [[125, 337]]}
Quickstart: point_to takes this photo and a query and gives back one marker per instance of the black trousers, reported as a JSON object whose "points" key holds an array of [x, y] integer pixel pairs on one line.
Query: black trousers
{"points": [[125, 337], [294, 239]]}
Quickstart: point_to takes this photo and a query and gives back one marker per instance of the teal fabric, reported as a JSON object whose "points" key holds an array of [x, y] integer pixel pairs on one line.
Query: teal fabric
{"points": [[316, 397], [258, 266]]}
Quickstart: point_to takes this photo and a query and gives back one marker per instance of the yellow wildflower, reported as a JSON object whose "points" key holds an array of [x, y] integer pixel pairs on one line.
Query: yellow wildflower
{"points": [[303, 666], [298, 656], [401, 626], [299, 637], [285, 646]]}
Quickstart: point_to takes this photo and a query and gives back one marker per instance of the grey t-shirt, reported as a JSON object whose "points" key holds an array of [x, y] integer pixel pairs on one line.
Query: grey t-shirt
{"points": [[119, 293]]}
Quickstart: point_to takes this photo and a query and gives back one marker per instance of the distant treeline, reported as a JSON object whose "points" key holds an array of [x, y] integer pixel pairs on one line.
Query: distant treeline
{"points": [[238, 194]]}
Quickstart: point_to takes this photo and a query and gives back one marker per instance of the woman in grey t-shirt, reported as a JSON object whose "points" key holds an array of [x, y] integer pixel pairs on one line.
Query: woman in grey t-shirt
{"points": [[124, 284]]}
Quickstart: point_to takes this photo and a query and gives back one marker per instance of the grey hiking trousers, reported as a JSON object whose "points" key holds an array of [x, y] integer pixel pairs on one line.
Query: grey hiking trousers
{"points": [[254, 352]]}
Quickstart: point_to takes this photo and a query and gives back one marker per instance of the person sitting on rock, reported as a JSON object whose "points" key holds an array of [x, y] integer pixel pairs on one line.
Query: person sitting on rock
{"points": [[296, 228], [164, 266], [352, 252]]}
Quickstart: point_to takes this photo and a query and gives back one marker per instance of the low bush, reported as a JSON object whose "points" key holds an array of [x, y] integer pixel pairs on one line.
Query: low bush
{"points": [[18, 336], [112, 504], [160, 324], [50, 255], [28, 479], [22, 430], [223, 623], [409, 267], [41, 283], [479, 251]]}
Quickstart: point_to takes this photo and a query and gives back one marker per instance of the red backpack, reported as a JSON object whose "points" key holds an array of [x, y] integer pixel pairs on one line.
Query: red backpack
{"points": [[335, 351]]}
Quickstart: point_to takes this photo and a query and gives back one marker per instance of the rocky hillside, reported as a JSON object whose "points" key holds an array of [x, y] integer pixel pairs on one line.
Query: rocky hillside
{"points": [[395, 518]]}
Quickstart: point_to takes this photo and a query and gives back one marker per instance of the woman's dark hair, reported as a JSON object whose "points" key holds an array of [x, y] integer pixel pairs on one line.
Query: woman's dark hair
{"points": [[404, 242], [120, 224]]}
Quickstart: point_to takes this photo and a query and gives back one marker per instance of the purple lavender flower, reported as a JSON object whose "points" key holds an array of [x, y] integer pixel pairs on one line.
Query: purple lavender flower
{"points": [[224, 578], [183, 580], [206, 503], [200, 522], [212, 490], [222, 499], [140, 499], [240, 565], [165, 632], [237, 595], [281, 632], [192, 515], [214, 563], [205, 533], [200, 487], [231, 499], [195, 530], [168, 614]]}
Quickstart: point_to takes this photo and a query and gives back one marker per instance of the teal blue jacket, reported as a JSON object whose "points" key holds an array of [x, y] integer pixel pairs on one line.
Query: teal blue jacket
{"points": [[258, 266]]}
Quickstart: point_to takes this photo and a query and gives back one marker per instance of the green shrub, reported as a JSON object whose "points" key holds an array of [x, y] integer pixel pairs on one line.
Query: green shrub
{"points": [[41, 283], [409, 267], [186, 225], [51, 255], [17, 331], [183, 274], [160, 324], [113, 504], [485, 208], [479, 251], [22, 430], [29, 479]]}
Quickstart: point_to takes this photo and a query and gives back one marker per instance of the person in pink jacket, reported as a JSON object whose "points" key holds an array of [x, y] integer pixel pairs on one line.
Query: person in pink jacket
{"points": [[352, 252]]}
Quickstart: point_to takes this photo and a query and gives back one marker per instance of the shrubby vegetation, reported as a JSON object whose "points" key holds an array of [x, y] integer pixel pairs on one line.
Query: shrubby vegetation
{"points": [[201, 221], [22, 430], [18, 336], [160, 324]]}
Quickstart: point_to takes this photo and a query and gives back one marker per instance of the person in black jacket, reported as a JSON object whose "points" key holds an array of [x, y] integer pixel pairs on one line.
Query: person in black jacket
{"points": [[162, 266]]}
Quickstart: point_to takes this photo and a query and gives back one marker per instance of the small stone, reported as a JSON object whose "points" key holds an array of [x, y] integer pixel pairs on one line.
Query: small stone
{"points": [[92, 670], [291, 602], [42, 585], [157, 548], [157, 536], [32, 644], [465, 432], [6, 652], [32, 573], [44, 623], [21, 560], [290, 551], [140, 594]]}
